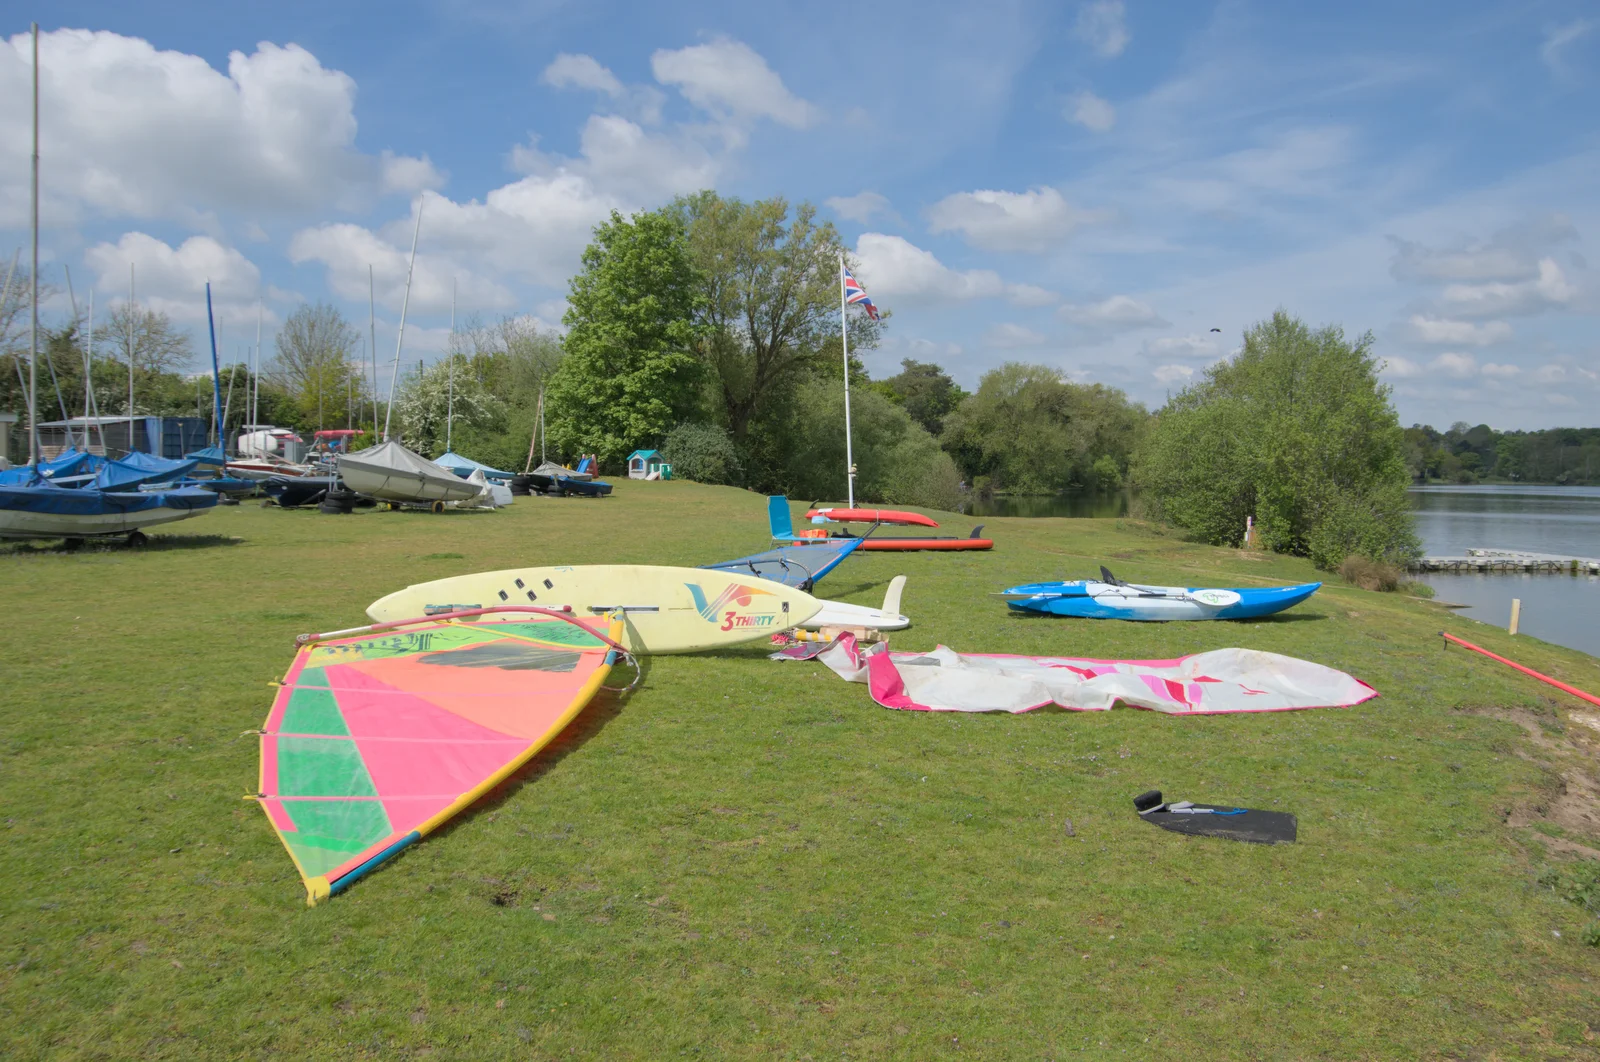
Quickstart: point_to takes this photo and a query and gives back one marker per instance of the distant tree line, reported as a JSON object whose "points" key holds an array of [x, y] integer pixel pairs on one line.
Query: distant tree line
{"points": [[1466, 454]]}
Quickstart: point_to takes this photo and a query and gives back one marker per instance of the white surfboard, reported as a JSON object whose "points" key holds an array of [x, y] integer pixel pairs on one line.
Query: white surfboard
{"points": [[844, 614], [667, 610]]}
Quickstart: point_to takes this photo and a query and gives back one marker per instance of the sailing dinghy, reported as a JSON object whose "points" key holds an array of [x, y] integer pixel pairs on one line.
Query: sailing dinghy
{"points": [[390, 472]]}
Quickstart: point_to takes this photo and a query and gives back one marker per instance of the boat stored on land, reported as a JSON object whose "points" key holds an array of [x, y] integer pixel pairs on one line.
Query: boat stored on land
{"points": [[84, 512], [1111, 598], [781, 524], [390, 472]]}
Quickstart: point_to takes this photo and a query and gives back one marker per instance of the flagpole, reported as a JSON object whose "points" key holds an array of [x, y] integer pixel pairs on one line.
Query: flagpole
{"points": [[844, 336]]}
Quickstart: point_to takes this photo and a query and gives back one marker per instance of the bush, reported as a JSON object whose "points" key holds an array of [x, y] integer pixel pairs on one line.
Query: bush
{"points": [[897, 461], [1369, 574], [703, 453], [1295, 431]]}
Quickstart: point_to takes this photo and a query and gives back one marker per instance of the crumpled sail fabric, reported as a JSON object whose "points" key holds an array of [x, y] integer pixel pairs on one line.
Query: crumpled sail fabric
{"points": [[376, 740], [1213, 683]]}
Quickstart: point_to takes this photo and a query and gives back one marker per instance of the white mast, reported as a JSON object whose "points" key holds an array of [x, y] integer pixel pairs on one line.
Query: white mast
{"points": [[255, 374], [33, 326], [450, 352], [132, 309], [405, 303], [372, 345], [844, 335]]}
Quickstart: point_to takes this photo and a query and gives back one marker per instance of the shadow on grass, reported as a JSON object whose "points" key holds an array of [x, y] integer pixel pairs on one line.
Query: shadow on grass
{"points": [[157, 544]]}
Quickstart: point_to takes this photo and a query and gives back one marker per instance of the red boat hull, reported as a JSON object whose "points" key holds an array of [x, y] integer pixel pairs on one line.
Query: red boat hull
{"points": [[873, 516], [907, 544]]}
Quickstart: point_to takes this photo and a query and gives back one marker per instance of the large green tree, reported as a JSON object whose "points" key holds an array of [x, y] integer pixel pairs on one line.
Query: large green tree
{"points": [[314, 364], [770, 316], [630, 372], [1031, 431], [1295, 431], [926, 391]]}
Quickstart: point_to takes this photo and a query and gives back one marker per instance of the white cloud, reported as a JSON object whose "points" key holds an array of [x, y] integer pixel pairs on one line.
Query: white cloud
{"points": [[1556, 41], [1403, 368], [1189, 346], [1103, 25], [892, 266], [1550, 374], [136, 132], [405, 175], [1549, 289], [1460, 366], [583, 72], [1030, 295], [859, 207], [1171, 374], [727, 77], [1511, 254], [172, 280], [1035, 220], [1428, 329], [1009, 335], [1091, 112], [1118, 313], [1498, 371]]}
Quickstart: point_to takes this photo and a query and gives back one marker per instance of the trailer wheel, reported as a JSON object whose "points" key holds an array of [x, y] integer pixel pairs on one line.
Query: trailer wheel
{"points": [[437, 507], [72, 544], [138, 539]]}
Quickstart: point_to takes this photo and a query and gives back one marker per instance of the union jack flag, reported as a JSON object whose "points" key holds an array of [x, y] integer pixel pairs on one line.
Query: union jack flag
{"points": [[856, 295]]}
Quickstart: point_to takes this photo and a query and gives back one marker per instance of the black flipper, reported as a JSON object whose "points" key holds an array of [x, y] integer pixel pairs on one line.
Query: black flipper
{"points": [[1214, 820], [1107, 577]]}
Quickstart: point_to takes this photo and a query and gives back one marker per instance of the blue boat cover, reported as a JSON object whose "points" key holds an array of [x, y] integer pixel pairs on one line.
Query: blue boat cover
{"points": [[85, 501], [463, 466], [137, 469], [71, 463], [211, 455], [796, 566]]}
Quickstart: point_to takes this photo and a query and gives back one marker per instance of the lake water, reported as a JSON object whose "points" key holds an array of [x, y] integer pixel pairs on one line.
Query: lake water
{"points": [[1563, 609]]}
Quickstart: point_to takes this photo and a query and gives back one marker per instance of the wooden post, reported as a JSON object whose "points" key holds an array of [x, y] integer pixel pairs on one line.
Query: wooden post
{"points": [[1516, 613]]}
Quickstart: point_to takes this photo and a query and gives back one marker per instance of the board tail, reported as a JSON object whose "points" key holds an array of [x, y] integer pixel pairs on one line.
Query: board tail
{"points": [[891, 600], [778, 518]]}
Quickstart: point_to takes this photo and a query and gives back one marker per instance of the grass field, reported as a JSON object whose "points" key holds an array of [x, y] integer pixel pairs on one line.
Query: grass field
{"points": [[745, 859]]}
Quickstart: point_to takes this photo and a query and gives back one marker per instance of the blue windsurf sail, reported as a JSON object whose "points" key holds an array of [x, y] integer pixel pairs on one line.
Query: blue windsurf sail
{"points": [[796, 566]]}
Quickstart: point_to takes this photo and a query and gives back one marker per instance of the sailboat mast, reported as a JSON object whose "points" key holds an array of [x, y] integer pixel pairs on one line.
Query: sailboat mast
{"points": [[216, 371], [33, 325], [255, 374], [133, 309], [372, 344], [450, 352], [405, 304]]}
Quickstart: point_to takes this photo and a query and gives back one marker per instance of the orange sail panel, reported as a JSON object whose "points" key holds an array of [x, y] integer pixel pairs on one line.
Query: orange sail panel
{"points": [[376, 740]]}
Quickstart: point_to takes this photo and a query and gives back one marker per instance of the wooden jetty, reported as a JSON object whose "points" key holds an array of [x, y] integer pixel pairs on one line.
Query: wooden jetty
{"points": [[1509, 560]]}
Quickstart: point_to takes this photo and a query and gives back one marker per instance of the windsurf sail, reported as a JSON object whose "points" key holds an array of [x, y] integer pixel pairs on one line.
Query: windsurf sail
{"points": [[1217, 682], [796, 566], [379, 736]]}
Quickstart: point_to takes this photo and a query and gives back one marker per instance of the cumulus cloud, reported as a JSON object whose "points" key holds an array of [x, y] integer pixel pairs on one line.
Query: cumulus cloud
{"points": [[1189, 346], [1036, 220], [1103, 25], [1173, 374], [1091, 112], [1403, 368], [1459, 366], [1008, 334], [172, 280], [582, 72], [893, 266], [1119, 313], [859, 207], [727, 77], [1498, 371], [1550, 288], [140, 133], [1428, 329]]}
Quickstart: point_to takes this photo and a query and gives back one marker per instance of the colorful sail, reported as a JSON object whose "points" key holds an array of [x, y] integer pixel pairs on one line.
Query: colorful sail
{"points": [[378, 738], [1213, 683]]}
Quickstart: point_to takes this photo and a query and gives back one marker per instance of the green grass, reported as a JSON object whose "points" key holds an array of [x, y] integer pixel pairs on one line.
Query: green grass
{"points": [[746, 859]]}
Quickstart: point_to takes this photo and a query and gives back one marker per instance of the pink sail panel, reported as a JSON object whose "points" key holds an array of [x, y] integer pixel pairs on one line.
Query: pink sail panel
{"points": [[1218, 682]]}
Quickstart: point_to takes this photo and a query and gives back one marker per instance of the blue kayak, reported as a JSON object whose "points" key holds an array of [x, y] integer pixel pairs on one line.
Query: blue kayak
{"points": [[1110, 598]]}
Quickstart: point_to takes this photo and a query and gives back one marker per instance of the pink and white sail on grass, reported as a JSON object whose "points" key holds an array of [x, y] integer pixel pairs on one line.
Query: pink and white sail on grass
{"points": [[1213, 683]]}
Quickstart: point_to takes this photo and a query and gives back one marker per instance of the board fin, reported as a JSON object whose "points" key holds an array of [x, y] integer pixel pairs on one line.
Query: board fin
{"points": [[891, 599]]}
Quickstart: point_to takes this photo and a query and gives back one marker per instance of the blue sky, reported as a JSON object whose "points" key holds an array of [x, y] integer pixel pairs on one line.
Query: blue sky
{"points": [[1091, 185]]}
